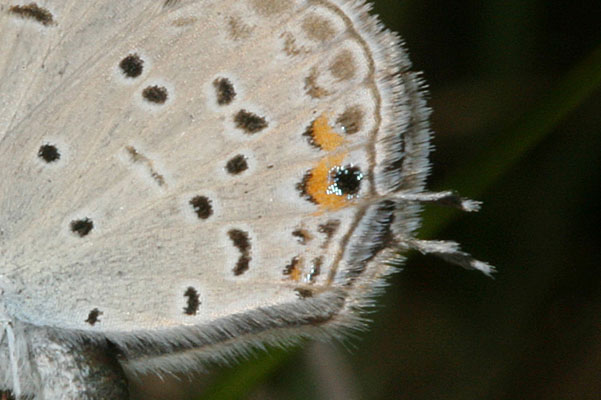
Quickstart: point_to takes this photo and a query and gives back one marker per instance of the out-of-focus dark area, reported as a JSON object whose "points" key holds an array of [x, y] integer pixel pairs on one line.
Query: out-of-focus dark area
{"points": [[533, 332]]}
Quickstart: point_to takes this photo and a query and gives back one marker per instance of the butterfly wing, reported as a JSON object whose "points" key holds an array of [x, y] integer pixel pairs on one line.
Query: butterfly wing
{"points": [[181, 174]]}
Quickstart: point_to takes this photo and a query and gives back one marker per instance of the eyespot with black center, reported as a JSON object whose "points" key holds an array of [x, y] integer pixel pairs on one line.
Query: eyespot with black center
{"points": [[346, 181]]}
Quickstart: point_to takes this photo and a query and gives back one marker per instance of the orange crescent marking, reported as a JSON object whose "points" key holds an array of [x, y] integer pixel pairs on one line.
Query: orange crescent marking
{"points": [[324, 136]]}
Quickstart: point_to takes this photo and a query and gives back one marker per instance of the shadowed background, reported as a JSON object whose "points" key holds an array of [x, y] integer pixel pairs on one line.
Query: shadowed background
{"points": [[505, 87]]}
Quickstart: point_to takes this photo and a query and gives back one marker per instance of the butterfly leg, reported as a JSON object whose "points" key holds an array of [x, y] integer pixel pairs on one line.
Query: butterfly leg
{"points": [[6, 329]]}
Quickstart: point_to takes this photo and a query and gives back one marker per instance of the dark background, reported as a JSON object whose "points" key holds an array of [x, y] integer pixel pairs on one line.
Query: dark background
{"points": [[441, 332]]}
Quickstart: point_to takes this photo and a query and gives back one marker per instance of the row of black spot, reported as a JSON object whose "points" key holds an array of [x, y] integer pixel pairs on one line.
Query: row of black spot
{"points": [[192, 306], [236, 165], [241, 241], [132, 67]]}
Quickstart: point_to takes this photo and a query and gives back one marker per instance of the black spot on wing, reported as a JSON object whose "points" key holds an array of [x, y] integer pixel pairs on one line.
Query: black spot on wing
{"points": [[236, 165], [49, 153], [93, 316], [132, 66], [82, 227], [224, 90], [249, 122], [34, 12], [241, 241], [193, 301], [155, 94], [201, 206]]}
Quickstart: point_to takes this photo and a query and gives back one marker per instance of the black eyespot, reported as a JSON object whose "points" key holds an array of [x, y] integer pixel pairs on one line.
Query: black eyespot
{"points": [[49, 153], [202, 206], [155, 94], [347, 181], [237, 165], [82, 226], [132, 66]]}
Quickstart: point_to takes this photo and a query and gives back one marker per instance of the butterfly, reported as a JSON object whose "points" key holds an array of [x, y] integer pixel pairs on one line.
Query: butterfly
{"points": [[187, 180]]}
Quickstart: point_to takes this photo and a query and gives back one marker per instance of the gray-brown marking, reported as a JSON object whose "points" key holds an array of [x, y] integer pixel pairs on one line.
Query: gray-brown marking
{"points": [[290, 47], [304, 293], [170, 3], [183, 21], [292, 268], [237, 29], [302, 236], [241, 241], [329, 230], [225, 91], [351, 120], [343, 67], [192, 302], [93, 316], [249, 122], [81, 227], [315, 268], [201, 206], [271, 7], [318, 28], [33, 11], [49, 153], [311, 86], [139, 158]]}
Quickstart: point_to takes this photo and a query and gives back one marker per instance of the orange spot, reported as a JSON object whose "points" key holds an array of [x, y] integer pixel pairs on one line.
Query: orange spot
{"points": [[323, 134], [318, 182], [295, 273]]}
